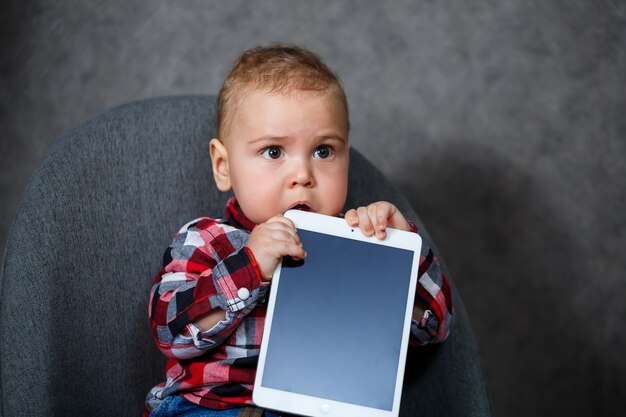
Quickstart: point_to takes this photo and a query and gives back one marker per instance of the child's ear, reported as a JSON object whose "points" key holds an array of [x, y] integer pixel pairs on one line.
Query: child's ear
{"points": [[219, 160]]}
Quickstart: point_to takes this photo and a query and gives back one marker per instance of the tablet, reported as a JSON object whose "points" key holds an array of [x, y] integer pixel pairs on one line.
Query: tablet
{"points": [[338, 323]]}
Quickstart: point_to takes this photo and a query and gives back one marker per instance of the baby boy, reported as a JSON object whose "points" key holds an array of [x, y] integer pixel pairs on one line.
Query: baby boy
{"points": [[283, 143]]}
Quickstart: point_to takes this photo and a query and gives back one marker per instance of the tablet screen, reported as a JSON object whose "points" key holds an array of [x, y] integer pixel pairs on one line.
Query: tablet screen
{"points": [[337, 325]]}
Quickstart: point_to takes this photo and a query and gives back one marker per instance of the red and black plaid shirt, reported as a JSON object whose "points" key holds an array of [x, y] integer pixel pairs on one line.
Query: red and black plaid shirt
{"points": [[208, 266]]}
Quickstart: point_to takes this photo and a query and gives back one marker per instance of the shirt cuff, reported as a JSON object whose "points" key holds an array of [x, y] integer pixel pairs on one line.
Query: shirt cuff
{"points": [[426, 329], [237, 279]]}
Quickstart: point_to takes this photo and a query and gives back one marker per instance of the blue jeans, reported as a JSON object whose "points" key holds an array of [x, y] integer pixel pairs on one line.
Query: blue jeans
{"points": [[177, 406]]}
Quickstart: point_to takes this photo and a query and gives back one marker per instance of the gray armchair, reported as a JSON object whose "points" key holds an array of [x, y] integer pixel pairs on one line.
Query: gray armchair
{"points": [[87, 241]]}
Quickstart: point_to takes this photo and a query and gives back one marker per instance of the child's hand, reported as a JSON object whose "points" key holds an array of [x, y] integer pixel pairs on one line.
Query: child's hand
{"points": [[376, 217], [272, 240]]}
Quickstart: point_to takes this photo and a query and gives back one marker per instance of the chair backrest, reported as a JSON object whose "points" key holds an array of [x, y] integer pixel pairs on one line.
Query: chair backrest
{"points": [[87, 240]]}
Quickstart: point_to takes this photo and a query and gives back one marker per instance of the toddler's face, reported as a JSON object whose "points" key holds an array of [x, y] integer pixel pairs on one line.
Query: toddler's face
{"points": [[287, 151]]}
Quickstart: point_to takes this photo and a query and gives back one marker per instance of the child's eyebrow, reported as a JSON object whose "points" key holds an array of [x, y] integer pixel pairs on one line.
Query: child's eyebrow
{"points": [[271, 138], [268, 138], [333, 136]]}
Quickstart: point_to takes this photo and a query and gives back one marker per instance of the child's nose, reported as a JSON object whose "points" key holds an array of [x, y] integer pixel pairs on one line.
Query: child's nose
{"points": [[302, 175]]}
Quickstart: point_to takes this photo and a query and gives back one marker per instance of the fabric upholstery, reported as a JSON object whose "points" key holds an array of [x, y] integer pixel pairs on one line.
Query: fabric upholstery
{"points": [[88, 238]]}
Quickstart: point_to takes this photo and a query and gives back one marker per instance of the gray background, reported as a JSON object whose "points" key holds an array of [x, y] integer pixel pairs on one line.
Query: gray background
{"points": [[504, 123]]}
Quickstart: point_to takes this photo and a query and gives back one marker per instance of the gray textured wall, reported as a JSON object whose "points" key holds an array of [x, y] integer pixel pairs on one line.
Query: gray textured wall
{"points": [[503, 122]]}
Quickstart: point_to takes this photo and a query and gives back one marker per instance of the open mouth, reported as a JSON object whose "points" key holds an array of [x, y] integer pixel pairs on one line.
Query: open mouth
{"points": [[301, 206]]}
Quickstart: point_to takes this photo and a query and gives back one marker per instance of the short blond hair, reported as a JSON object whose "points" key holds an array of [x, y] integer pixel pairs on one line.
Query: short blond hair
{"points": [[277, 68]]}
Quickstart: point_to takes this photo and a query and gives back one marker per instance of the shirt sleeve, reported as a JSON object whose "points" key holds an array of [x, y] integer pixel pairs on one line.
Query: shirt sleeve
{"points": [[207, 266], [433, 295]]}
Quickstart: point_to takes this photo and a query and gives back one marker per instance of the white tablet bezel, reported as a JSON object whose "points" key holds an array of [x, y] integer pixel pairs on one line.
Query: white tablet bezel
{"points": [[319, 407]]}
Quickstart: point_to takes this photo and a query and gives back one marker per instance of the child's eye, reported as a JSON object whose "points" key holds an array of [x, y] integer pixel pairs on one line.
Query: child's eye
{"points": [[272, 152], [323, 152]]}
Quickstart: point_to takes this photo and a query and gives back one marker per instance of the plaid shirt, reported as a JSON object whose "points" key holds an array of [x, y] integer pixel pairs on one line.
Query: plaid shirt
{"points": [[206, 267]]}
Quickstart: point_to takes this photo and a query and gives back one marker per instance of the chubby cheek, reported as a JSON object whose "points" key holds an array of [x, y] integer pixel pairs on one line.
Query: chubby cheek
{"points": [[257, 198], [340, 195], [334, 193]]}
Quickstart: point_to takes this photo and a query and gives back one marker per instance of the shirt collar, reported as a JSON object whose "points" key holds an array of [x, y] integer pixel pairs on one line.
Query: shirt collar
{"points": [[236, 218]]}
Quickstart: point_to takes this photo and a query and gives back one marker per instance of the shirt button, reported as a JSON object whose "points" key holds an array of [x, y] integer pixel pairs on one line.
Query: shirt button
{"points": [[243, 293]]}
